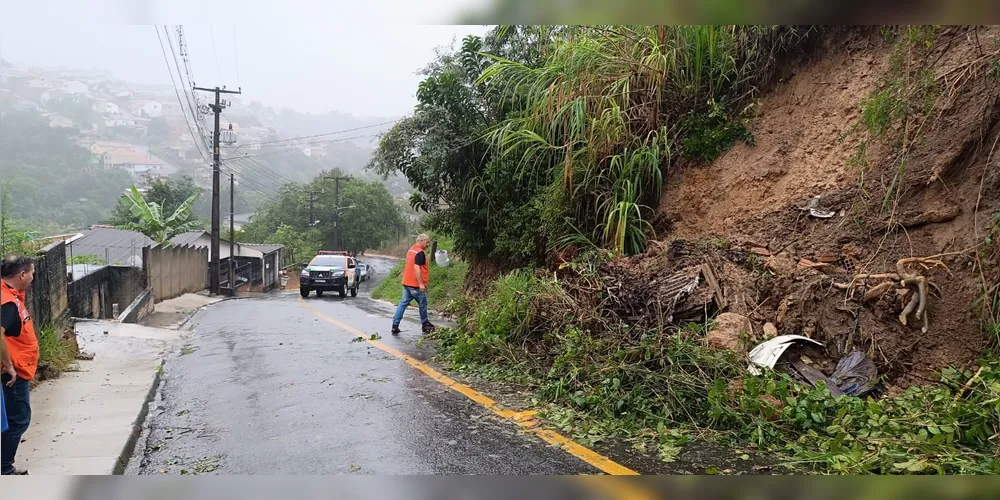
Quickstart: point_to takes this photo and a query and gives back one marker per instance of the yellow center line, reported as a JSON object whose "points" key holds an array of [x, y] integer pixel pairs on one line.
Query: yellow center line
{"points": [[524, 419]]}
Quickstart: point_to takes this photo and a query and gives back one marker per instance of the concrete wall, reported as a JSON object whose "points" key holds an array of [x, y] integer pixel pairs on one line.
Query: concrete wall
{"points": [[141, 307], [95, 295], [47, 298], [175, 270]]}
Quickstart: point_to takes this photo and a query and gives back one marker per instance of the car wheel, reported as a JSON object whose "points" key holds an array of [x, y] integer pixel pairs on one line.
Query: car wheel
{"points": [[319, 293], [304, 292]]}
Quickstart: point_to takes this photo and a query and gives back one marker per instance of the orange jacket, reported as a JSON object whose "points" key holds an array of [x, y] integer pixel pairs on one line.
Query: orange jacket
{"points": [[410, 270], [23, 349]]}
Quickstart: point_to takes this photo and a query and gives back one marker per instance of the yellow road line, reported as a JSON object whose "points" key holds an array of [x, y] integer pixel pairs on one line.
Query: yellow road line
{"points": [[524, 419]]}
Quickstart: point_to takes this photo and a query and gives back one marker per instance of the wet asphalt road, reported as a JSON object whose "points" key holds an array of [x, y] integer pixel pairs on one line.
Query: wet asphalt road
{"points": [[267, 386]]}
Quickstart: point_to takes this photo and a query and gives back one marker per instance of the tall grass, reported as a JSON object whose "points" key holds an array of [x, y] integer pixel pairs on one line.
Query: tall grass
{"points": [[53, 349], [600, 118]]}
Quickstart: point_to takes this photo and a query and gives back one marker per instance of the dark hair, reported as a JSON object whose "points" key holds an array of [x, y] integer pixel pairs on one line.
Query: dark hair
{"points": [[14, 265]]}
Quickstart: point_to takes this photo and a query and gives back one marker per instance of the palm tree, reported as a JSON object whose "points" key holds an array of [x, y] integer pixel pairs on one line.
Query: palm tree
{"points": [[149, 219]]}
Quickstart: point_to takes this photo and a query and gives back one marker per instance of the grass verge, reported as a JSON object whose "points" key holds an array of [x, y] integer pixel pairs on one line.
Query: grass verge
{"points": [[598, 379], [443, 294], [54, 350]]}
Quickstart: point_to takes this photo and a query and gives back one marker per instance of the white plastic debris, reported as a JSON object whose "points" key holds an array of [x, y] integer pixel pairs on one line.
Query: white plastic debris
{"points": [[766, 354], [441, 258]]}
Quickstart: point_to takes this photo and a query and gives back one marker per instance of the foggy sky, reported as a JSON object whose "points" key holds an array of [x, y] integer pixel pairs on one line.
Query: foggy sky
{"points": [[356, 56]]}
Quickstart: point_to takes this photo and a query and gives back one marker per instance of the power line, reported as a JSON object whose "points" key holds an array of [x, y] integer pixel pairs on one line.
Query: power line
{"points": [[180, 101], [315, 143], [253, 186], [237, 54], [211, 33], [262, 171], [190, 98], [292, 139]]}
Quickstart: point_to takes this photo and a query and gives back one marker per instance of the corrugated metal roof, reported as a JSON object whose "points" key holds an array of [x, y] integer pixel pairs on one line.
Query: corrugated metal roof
{"points": [[115, 246], [264, 248], [188, 238]]}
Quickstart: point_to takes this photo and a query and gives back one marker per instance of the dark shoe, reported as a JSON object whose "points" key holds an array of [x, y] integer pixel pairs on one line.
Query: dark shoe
{"points": [[429, 327], [17, 472], [395, 329]]}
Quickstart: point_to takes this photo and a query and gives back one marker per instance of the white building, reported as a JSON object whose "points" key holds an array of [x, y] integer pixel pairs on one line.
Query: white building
{"points": [[106, 108], [149, 109], [75, 87], [58, 121]]}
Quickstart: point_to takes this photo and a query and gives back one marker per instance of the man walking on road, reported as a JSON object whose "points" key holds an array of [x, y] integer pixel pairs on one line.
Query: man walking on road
{"points": [[20, 356], [416, 273]]}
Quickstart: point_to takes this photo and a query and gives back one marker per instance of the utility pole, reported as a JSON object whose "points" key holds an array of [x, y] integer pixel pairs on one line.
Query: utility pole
{"points": [[213, 284], [312, 218], [232, 230], [336, 213]]}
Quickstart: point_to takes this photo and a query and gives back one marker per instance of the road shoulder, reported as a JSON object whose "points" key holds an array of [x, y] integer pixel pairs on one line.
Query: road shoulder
{"points": [[87, 421]]}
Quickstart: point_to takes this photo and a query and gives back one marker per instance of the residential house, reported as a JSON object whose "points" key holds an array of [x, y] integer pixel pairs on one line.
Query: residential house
{"points": [[124, 120], [135, 164], [258, 264], [52, 95], [106, 108], [147, 109], [94, 248], [239, 221], [179, 152], [59, 121], [41, 83], [75, 87]]}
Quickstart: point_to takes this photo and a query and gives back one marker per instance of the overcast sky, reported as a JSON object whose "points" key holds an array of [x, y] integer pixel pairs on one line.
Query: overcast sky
{"points": [[358, 57]]}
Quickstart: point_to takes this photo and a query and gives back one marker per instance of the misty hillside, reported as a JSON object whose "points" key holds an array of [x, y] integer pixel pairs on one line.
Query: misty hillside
{"points": [[93, 136]]}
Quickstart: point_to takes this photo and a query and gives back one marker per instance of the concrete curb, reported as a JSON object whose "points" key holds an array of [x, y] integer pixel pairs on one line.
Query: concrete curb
{"points": [[191, 316], [138, 424]]}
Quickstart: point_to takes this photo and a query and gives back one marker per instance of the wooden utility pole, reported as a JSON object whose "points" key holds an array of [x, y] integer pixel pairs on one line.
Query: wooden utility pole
{"points": [[232, 230], [213, 284]]}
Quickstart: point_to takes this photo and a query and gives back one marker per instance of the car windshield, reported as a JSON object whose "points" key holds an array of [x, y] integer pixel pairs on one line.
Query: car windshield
{"points": [[333, 261]]}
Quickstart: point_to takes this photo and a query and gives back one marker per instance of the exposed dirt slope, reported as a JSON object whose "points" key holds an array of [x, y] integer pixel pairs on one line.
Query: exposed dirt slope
{"points": [[751, 198]]}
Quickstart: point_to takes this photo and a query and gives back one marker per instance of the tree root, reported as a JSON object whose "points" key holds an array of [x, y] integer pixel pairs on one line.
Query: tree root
{"points": [[899, 280]]}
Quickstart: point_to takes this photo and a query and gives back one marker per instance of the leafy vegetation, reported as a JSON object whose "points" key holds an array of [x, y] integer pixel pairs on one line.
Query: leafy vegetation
{"points": [[368, 218], [907, 96], [150, 219], [54, 350], [54, 183], [615, 380], [15, 238], [538, 137]]}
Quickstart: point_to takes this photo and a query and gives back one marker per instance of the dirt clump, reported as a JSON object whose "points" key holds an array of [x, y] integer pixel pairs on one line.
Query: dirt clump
{"points": [[729, 328]]}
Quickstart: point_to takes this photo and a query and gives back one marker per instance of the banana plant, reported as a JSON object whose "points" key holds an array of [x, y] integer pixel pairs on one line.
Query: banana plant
{"points": [[151, 221]]}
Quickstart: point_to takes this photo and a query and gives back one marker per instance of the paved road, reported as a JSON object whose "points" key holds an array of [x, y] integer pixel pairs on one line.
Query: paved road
{"points": [[280, 385]]}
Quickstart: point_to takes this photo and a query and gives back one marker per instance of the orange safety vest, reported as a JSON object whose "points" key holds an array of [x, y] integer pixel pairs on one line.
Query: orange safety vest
{"points": [[410, 271], [23, 349]]}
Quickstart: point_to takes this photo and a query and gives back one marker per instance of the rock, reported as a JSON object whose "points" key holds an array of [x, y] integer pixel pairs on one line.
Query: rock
{"points": [[770, 331], [781, 264], [726, 332]]}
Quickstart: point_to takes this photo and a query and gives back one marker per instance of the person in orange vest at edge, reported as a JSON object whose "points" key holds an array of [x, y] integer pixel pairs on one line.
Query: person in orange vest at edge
{"points": [[416, 274], [20, 356]]}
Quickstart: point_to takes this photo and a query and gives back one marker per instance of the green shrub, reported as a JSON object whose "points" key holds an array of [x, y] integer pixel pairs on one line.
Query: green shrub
{"points": [[53, 349]]}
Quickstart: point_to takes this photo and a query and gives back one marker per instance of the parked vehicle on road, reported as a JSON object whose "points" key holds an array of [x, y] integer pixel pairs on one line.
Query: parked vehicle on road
{"points": [[364, 271], [330, 272]]}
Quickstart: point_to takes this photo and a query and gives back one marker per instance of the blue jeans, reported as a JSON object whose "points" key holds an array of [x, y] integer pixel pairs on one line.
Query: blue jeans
{"points": [[409, 295], [17, 402]]}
